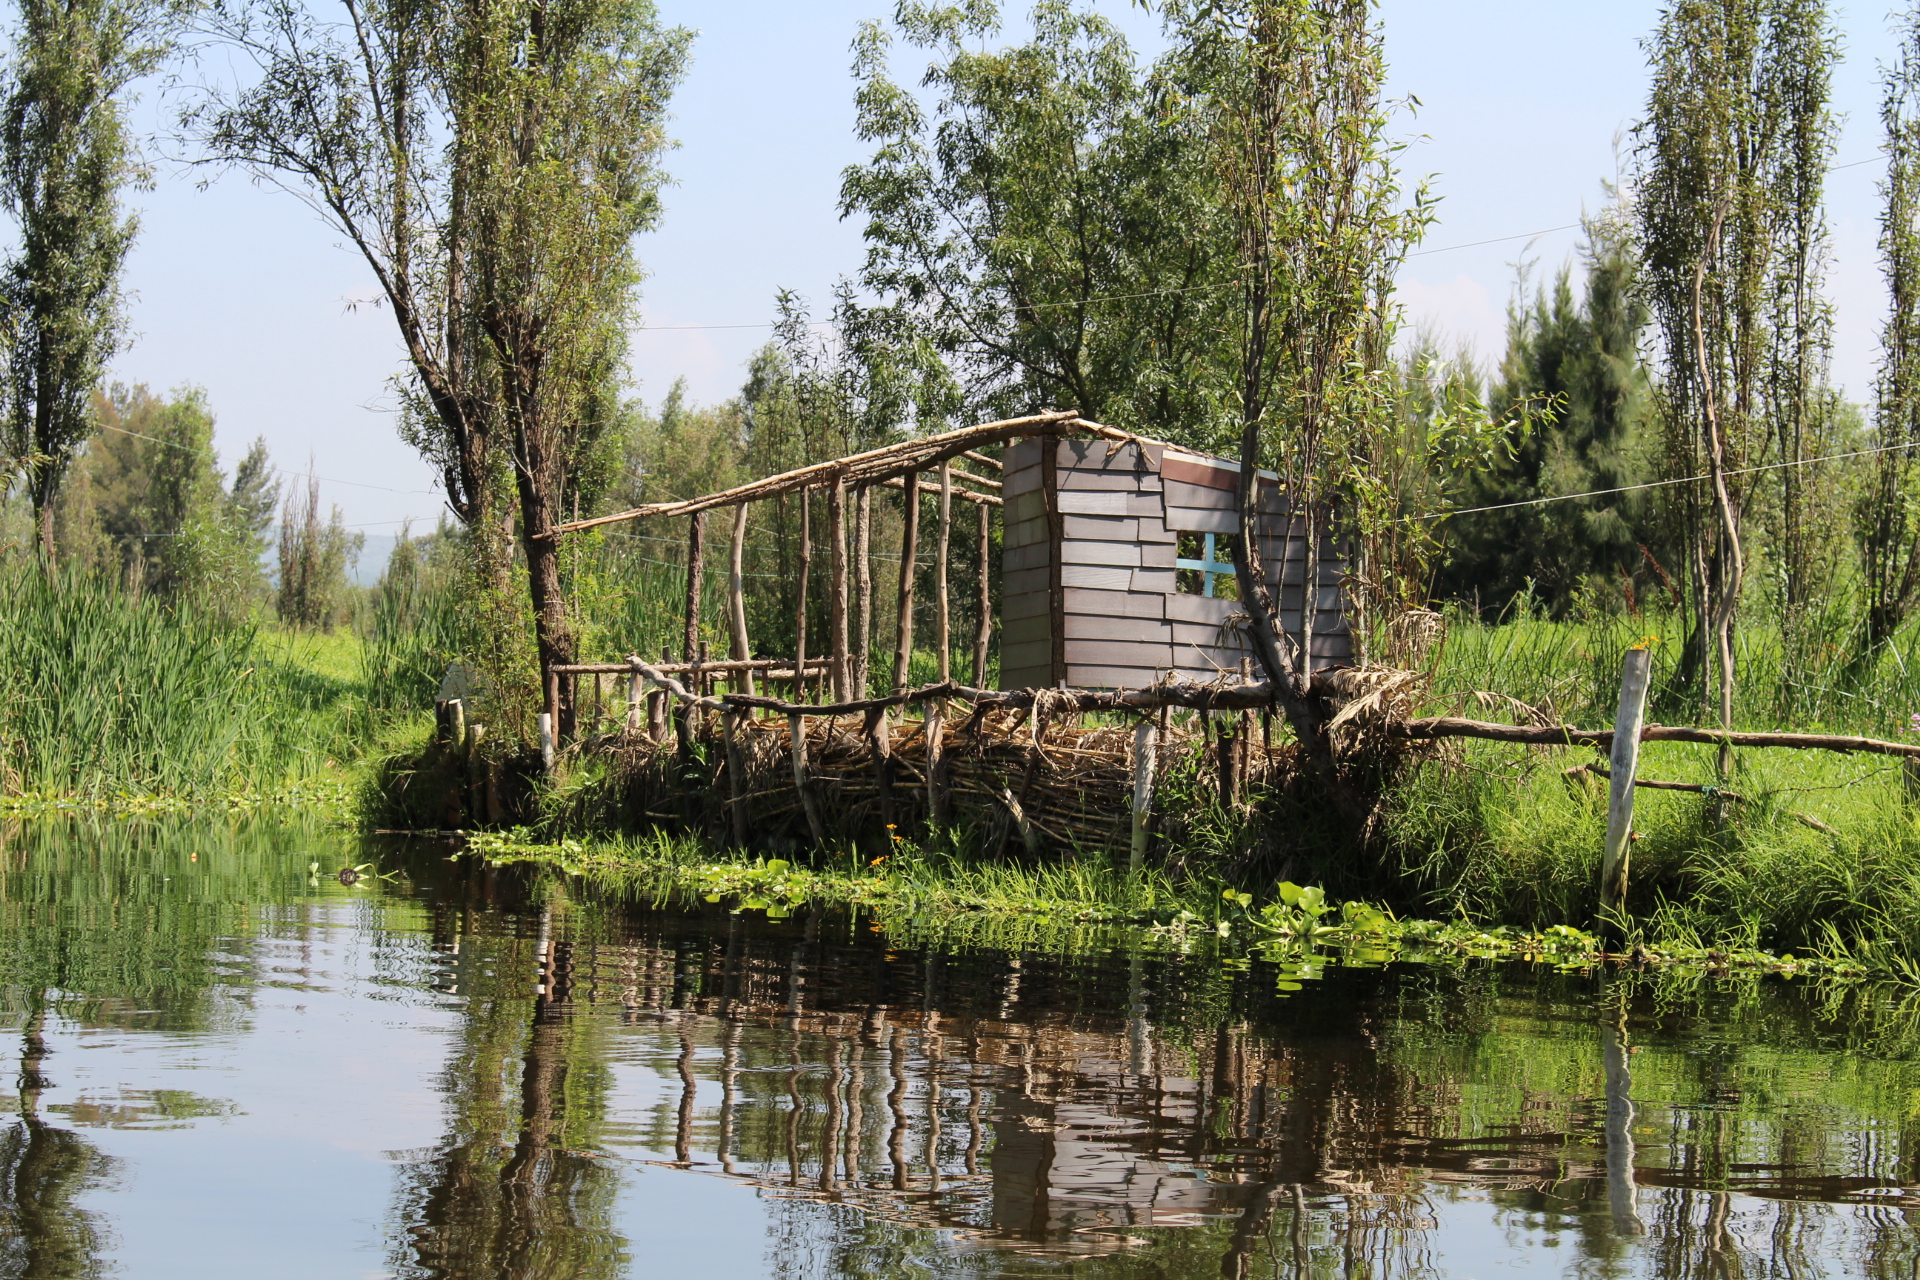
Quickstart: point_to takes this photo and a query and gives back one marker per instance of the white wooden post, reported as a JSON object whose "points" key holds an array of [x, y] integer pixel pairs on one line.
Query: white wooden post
{"points": [[1627, 723], [1146, 746]]}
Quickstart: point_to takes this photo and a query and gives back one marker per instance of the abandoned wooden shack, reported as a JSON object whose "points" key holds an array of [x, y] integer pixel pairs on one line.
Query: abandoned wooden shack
{"points": [[1117, 568], [1116, 582]]}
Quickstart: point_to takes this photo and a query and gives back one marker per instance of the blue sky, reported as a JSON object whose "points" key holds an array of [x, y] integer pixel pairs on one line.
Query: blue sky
{"points": [[1524, 110]]}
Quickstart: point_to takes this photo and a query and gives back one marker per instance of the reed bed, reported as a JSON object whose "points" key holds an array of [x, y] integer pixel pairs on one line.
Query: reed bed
{"points": [[106, 694]]}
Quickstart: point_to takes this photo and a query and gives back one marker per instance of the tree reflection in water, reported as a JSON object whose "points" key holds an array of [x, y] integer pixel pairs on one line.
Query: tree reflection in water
{"points": [[519, 1188], [44, 1233], [988, 1112]]}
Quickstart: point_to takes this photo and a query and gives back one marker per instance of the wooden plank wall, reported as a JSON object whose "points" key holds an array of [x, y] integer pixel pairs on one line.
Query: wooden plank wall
{"points": [[1122, 509]]}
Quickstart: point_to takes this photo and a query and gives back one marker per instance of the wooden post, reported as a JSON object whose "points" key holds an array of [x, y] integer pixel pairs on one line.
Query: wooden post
{"points": [[476, 775], [702, 684], [797, 741], [636, 691], [838, 672], [882, 747], [800, 597], [1056, 537], [741, 651], [933, 727], [696, 536], [1635, 672], [457, 724], [983, 621], [657, 715], [1146, 752], [942, 619], [863, 591], [546, 741], [736, 776], [909, 563]]}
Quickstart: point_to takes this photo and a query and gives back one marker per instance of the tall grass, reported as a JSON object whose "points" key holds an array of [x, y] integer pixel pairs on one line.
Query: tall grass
{"points": [[1571, 670], [102, 692], [1820, 851]]}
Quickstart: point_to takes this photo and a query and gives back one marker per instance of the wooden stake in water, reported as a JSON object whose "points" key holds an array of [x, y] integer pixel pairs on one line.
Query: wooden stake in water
{"points": [[1146, 746], [1627, 724], [983, 605]]}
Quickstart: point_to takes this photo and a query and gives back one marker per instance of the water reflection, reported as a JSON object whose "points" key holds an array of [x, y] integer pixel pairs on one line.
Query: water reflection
{"points": [[520, 1186], [1098, 1111], [822, 1099]]}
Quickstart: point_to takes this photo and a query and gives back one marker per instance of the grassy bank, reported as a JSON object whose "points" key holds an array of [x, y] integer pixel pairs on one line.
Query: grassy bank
{"points": [[110, 700], [1798, 853], [1803, 851]]}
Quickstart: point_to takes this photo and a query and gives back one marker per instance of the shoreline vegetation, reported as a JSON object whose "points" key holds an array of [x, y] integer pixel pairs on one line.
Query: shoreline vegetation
{"points": [[1819, 859]]}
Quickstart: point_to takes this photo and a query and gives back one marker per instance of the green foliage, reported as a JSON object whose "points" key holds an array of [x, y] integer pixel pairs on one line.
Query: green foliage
{"points": [[419, 624], [314, 559], [1052, 225], [147, 505], [103, 692], [1888, 530], [1732, 244], [1573, 400], [64, 157]]}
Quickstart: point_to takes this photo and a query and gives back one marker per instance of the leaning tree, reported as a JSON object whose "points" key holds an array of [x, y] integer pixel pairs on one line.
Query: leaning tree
{"points": [[493, 162]]}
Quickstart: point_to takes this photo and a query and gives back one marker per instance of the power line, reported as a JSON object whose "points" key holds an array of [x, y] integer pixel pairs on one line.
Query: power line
{"points": [[1662, 484], [214, 453]]}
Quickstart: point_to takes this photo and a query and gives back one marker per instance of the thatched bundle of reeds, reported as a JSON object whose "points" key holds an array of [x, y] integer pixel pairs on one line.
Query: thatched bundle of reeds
{"points": [[1021, 777]]}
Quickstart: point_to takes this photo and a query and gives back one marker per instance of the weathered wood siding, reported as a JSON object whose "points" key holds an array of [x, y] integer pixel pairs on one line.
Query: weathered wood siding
{"points": [[1121, 511]]}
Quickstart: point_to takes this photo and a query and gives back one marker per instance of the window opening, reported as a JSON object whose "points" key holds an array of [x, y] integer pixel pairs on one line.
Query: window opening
{"points": [[1203, 566]]}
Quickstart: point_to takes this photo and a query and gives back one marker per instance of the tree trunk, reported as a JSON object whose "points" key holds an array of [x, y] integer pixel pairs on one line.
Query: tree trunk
{"points": [[553, 636]]}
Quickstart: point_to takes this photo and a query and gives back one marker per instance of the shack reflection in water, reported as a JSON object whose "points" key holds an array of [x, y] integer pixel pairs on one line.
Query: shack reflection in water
{"points": [[1034, 1106], [621, 1090]]}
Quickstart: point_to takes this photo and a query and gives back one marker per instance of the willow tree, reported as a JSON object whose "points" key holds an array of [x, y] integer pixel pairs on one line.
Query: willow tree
{"points": [[1045, 217], [65, 155], [493, 162], [1730, 164], [1889, 531], [1299, 127]]}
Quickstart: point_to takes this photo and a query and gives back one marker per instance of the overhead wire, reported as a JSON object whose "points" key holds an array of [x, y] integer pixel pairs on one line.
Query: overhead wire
{"points": [[1663, 484]]}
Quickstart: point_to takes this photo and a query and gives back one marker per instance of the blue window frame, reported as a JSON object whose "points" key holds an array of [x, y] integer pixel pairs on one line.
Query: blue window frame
{"points": [[1208, 565]]}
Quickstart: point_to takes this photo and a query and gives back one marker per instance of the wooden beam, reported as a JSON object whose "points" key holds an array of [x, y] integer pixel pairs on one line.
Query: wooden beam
{"points": [[943, 622], [863, 590], [797, 744], [909, 566], [696, 553], [873, 466], [741, 650], [1568, 736], [837, 590], [1635, 671], [800, 589], [983, 619]]}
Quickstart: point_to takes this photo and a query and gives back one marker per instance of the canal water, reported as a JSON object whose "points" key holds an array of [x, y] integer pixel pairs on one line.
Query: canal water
{"points": [[221, 1061]]}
